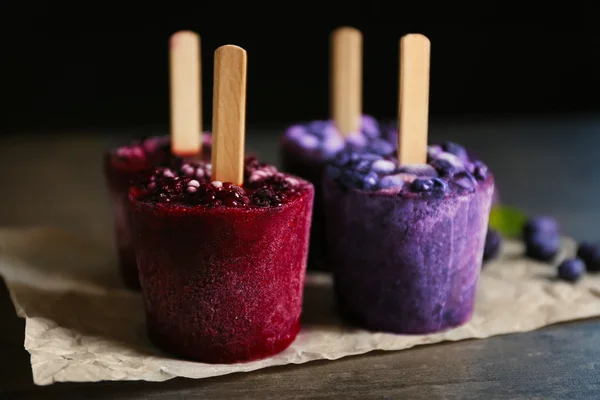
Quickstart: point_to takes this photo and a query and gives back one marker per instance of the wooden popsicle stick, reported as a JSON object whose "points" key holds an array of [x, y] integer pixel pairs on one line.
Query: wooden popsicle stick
{"points": [[346, 79], [186, 94], [413, 99], [229, 114]]}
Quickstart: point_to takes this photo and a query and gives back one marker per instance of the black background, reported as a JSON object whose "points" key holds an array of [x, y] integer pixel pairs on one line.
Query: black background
{"points": [[95, 67]]}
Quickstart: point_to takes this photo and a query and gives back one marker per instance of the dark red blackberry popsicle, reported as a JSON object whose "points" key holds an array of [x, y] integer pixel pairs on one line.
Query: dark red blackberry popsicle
{"points": [[406, 234], [123, 164], [222, 248], [307, 148], [222, 266]]}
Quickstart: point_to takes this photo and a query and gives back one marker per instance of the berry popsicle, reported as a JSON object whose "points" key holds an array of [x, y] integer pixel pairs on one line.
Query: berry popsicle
{"points": [[407, 234], [222, 247], [306, 148], [123, 164]]}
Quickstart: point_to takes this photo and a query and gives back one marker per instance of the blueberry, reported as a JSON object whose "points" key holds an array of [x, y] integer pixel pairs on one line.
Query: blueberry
{"points": [[369, 126], [542, 247], [541, 225], [433, 151], [455, 149], [571, 269], [332, 144], [309, 142], [439, 188], [391, 181], [439, 184], [493, 241], [420, 185], [480, 170], [351, 178], [542, 238], [452, 159], [356, 140], [470, 168], [341, 159], [590, 255], [363, 166], [330, 130], [445, 168], [318, 128], [296, 132], [380, 146], [383, 166], [370, 181], [465, 181]]}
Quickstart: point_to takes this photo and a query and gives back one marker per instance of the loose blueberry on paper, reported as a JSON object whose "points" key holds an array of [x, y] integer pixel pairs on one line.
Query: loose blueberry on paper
{"points": [[590, 254], [571, 269], [542, 238], [542, 242]]}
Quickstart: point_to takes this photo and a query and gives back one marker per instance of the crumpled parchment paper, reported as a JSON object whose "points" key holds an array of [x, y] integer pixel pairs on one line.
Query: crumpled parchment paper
{"points": [[83, 326]]}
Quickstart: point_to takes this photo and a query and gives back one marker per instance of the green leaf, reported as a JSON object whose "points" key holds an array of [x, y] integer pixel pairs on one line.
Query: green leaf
{"points": [[507, 220]]}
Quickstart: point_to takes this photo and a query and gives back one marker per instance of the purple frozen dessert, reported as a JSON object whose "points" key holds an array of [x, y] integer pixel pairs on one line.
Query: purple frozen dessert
{"points": [[306, 150], [406, 243]]}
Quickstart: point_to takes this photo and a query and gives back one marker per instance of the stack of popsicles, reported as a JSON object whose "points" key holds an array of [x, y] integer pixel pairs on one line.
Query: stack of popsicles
{"points": [[221, 246]]}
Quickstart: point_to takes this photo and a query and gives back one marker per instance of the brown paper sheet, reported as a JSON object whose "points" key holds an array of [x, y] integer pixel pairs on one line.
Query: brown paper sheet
{"points": [[82, 326]]}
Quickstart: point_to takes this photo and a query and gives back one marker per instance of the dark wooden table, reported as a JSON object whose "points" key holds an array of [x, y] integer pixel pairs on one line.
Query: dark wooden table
{"points": [[544, 166]]}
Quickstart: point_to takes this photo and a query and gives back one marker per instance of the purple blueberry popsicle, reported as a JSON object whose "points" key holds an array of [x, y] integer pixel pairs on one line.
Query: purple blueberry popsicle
{"points": [[305, 151], [306, 148], [406, 242]]}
